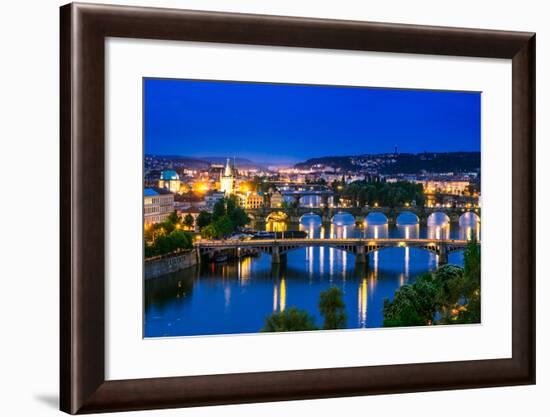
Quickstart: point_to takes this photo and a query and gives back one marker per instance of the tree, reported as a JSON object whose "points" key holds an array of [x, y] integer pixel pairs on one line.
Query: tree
{"points": [[237, 215], [402, 311], [167, 227], [385, 194], [204, 219], [180, 240], [426, 289], [189, 221], [292, 319], [413, 305], [165, 244], [224, 226], [333, 308], [450, 295], [450, 279], [472, 267], [471, 313], [219, 209], [209, 232], [173, 218]]}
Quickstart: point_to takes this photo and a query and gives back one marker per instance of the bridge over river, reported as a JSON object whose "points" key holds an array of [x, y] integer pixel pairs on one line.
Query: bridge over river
{"points": [[361, 248], [260, 216]]}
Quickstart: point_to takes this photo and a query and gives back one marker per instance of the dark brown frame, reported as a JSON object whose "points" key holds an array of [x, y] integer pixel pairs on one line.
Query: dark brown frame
{"points": [[84, 29]]}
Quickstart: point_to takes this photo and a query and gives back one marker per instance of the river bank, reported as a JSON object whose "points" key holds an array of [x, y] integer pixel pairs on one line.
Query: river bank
{"points": [[166, 264]]}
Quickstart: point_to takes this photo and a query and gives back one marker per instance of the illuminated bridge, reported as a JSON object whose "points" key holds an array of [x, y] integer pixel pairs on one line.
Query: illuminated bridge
{"points": [[361, 248]]}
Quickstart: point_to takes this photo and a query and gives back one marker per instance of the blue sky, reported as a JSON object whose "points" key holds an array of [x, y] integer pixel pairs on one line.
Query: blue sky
{"points": [[284, 123]]}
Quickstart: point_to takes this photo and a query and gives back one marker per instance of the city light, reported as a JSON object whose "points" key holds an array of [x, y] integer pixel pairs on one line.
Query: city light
{"points": [[244, 188], [201, 187]]}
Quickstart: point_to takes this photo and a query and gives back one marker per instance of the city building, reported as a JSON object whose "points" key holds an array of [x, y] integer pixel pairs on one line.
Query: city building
{"points": [[227, 179], [276, 200], [158, 203], [444, 187], [251, 200], [169, 180], [212, 198]]}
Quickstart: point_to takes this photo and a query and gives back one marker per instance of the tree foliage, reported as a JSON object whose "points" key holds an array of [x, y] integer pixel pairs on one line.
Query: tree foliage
{"points": [[361, 193], [405, 308], [292, 319], [450, 295], [209, 232], [171, 242], [227, 216], [204, 219], [333, 308], [189, 221]]}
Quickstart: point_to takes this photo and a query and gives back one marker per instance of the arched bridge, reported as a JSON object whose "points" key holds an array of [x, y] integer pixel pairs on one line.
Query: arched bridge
{"points": [[361, 248], [293, 215]]}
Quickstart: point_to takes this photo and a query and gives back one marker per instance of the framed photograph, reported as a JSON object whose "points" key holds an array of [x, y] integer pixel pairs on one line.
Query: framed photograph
{"points": [[263, 208]]}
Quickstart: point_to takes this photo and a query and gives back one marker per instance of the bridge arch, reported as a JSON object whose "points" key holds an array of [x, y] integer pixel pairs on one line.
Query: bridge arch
{"points": [[358, 247], [469, 223], [406, 218], [277, 216], [469, 218], [343, 218], [371, 247], [376, 218], [310, 218], [438, 218], [277, 221]]}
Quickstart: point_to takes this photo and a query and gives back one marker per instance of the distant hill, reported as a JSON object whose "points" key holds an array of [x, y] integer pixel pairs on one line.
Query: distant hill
{"points": [[405, 163], [240, 162], [194, 163], [205, 162], [434, 162]]}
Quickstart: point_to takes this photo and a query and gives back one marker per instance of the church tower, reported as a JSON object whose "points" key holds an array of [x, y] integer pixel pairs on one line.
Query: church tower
{"points": [[227, 179]]}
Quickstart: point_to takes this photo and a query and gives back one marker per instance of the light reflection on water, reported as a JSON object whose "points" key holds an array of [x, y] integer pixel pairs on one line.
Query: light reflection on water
{"points": [[237, 296]]}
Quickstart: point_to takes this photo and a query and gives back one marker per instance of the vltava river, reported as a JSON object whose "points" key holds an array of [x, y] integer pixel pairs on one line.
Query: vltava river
{"points": [[236, 297]]}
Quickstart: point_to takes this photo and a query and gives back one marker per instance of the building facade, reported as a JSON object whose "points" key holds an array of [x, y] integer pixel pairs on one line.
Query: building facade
{"points": [[445, 187], [251, 200], [170, 180], [212, 198], [158, 203]]}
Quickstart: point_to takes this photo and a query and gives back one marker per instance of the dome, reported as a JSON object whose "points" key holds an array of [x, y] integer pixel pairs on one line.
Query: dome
{"points": [[169, 175]]}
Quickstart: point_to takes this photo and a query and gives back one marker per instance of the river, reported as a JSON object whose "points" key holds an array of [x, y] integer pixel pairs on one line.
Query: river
{"points": [[236, 297]]}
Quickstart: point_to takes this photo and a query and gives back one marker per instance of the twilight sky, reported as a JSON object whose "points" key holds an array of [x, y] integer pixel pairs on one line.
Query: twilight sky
{"points": [[283, 123]]}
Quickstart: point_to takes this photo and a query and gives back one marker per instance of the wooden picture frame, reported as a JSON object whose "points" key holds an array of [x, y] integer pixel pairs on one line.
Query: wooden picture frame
{"points": [[84, 29]]}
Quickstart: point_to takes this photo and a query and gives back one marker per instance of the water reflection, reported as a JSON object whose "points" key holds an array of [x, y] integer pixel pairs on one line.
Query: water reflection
{"points": [[470, 226], [237, 297], [362, 303]]}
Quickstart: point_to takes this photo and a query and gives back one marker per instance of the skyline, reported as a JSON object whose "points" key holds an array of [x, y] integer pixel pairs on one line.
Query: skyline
{"points": [[205, 119]]}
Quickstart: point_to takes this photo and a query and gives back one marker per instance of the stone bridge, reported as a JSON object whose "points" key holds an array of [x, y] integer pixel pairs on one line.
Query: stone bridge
{"points": [[293, 215], [360, 248], [298, 194]]}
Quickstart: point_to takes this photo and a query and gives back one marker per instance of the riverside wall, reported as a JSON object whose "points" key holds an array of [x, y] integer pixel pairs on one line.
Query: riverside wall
{"points": [[161, 265]]}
